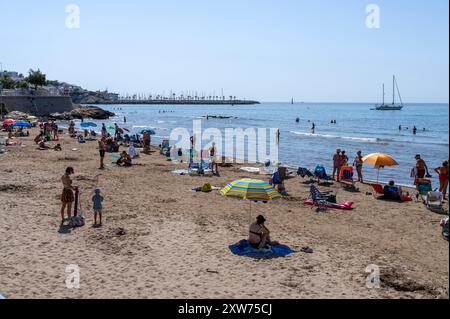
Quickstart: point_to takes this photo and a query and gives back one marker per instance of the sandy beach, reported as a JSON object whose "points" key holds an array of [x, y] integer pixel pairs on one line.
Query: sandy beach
{"points": [[162, 240]]}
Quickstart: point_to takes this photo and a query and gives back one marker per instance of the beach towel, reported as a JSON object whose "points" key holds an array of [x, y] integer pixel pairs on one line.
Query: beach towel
{"points": [[243, 248], [250, 169]]}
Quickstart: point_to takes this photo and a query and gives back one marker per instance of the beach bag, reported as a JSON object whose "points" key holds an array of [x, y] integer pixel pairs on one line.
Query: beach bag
{"points": [[77, 221], [207, 188], [320, 171]]}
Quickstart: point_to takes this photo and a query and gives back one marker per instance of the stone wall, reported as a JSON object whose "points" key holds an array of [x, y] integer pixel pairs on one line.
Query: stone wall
{"points": [[38, 105]]}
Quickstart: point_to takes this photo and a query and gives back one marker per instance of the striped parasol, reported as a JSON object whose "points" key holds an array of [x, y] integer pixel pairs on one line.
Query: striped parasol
{"points": [[251, 189]]}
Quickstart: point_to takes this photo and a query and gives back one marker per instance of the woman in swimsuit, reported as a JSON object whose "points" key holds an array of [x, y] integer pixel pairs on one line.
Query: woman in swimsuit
{"points": [[358, 163], [443, 177], [259, 236], [67, 197]]}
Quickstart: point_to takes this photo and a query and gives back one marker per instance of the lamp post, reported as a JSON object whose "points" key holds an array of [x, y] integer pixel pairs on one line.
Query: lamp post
{"points": [[1, 91]]}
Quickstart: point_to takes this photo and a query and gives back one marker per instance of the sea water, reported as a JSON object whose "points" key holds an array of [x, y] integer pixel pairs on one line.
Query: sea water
{"points": [[357, 128]]}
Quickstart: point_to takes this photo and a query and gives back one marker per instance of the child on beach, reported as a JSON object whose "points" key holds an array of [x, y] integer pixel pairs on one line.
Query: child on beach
{"points": [[97, 200]]}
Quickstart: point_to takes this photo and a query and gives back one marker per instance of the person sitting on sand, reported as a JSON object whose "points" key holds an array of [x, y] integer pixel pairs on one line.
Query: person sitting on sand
{"points": [[67, 197], [125, 160], [443, 177], [42, 145], [57, 148], [38, 138], [392, 191], [259, 234]]}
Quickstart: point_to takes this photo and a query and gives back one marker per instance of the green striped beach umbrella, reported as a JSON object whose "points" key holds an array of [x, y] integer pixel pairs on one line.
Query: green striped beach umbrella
{"points": [[253, 190]]}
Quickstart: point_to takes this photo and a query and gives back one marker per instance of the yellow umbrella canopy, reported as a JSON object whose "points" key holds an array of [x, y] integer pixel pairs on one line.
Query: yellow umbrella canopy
{"points": [[380, 159]]}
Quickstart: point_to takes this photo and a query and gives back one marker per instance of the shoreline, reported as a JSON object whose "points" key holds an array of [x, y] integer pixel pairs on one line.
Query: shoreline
{"points": [[173, 237]]}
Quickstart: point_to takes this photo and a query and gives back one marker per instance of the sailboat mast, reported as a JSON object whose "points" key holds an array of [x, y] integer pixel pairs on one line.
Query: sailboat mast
{"points": [[393, 90], [383, 94]]}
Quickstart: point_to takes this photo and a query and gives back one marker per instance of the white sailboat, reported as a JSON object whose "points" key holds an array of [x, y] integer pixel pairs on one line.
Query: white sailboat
{"points": [[393, 106]]}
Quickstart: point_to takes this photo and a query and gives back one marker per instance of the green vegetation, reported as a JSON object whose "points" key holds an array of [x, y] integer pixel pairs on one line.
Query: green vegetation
{"points": [[36, 78]]}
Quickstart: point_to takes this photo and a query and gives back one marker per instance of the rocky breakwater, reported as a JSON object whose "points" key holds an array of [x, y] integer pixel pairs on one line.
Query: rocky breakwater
{"points": [[83, 112]]}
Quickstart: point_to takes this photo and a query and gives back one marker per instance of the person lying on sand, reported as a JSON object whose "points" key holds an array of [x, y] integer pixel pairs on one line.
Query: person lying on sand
{"points": [[259, 234]]}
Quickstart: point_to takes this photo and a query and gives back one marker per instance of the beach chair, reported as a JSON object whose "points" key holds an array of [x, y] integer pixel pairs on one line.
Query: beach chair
{"points": [[378, 190], [321, 174], [435, 202], [320, 199], [200, 168], [423, 187], [346, 175], [165, 148]]}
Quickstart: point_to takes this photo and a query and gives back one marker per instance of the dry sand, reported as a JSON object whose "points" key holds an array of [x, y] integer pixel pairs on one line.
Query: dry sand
{"points": [[175, 241]]}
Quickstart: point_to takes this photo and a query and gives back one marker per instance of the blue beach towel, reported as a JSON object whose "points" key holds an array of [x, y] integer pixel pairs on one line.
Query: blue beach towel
{"points": [[243, 248]]}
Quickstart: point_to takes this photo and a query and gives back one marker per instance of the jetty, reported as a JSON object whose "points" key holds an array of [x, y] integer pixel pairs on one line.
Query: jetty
{"points": [[176, 102]]}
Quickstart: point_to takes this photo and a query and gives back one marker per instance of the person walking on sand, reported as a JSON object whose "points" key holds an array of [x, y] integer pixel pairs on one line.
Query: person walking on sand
{"points": [[67, 197], [104, 130], [421, 168], [358, 164], [337, 164], [97, 201], [443, 177], [102, 147]]}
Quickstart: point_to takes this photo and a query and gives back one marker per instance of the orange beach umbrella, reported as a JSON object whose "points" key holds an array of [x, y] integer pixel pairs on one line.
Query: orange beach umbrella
{"points": [[380, 160]]}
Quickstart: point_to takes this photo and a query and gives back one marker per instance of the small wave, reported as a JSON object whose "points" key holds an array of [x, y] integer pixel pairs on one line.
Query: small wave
{"points": [[352, 138], [161, 137]]}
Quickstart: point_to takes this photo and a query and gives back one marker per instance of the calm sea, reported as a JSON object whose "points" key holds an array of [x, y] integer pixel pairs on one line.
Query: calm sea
{"points": [[358, 128]]}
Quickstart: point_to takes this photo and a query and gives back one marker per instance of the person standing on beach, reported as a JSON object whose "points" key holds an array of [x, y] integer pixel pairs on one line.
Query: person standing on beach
{"points": [[212, 155], [102, 151], [337, 164], [104, 130], [97, 200], [421, 168], [313, 128], [414, 130], [443, 177], [358, 164], [67, 197], [344, 159]]}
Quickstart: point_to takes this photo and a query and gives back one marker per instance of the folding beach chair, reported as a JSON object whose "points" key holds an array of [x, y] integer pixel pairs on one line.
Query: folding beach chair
{"points": [[435, 202], [321, 200], [423, 187], [346, 175]]}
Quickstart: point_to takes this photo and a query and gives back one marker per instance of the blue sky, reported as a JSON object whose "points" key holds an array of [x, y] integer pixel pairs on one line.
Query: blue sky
{"points": [[267, 50]]}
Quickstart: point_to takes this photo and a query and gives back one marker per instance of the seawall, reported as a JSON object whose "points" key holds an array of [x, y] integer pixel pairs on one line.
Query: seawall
{"points": [[37, 105]]}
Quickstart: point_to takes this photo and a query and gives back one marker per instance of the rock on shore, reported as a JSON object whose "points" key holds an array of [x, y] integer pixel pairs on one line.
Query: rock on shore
{"points": [[83, 112]]}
